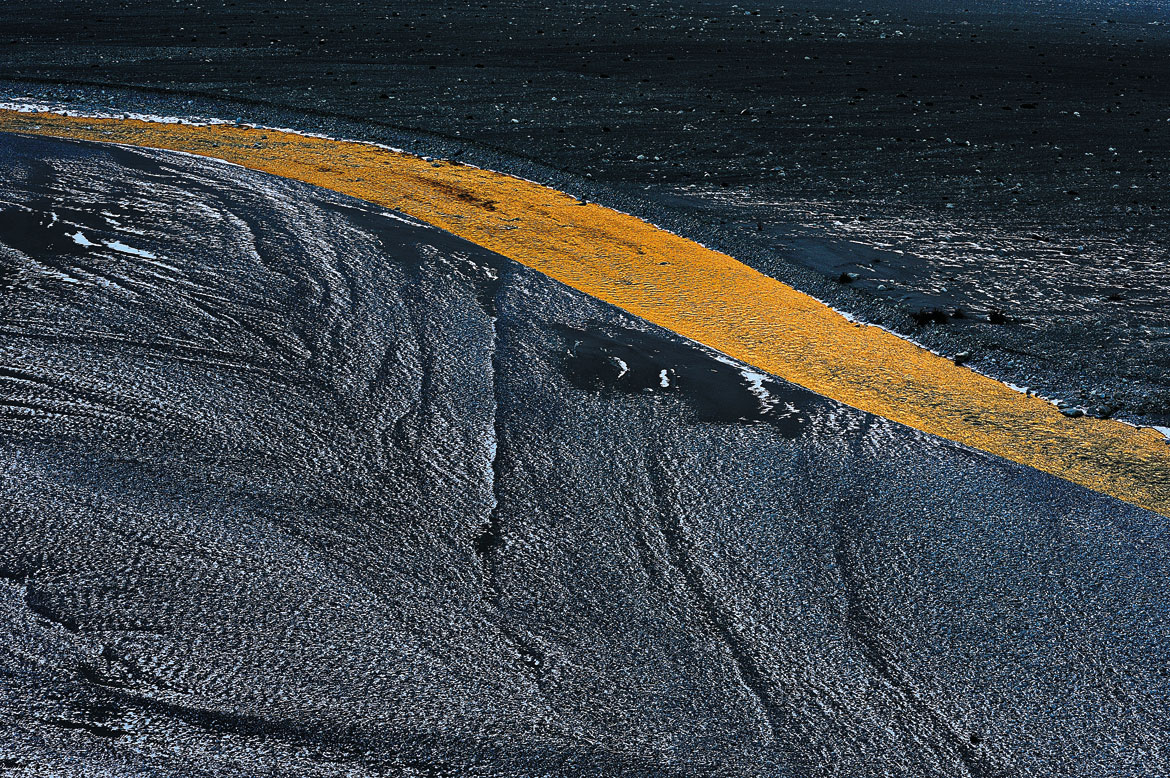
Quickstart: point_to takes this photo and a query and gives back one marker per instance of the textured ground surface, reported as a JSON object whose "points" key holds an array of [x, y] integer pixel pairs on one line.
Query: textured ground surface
{"points": [[1005, 159], [293, 486]]}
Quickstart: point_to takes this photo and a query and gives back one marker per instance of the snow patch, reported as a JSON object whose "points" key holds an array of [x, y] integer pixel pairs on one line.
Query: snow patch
{"points": [[118, 245], [754, 381]]}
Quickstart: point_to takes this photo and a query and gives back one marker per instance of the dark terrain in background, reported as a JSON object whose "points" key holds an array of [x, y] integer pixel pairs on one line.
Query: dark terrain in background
{"points": [[291, 485], [1005, 162]]}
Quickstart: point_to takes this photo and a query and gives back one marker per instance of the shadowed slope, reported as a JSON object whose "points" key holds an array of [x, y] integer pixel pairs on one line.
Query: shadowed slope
{"points": [[294, 484]]}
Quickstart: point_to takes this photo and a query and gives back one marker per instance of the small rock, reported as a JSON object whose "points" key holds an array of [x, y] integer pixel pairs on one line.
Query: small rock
{"points": [[962, 357]]}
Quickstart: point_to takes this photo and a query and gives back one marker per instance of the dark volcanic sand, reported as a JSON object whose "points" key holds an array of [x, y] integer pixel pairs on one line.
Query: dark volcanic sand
{"points": [[292, 486], [775, 134]]}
